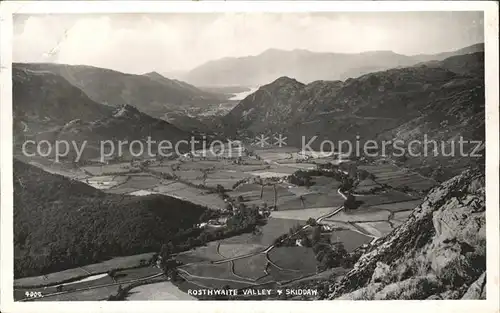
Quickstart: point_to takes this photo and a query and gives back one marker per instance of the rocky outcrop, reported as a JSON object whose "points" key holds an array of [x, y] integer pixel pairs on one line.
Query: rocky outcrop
{"points": [[438, 253], [477, 290]]}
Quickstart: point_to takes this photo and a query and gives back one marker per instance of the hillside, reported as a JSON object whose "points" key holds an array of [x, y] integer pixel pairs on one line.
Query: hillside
{"points": [[151, 93], [61, 223], [46, 106], [469, 64], [42, 100], [396, 104], [438, 253], [479, 47], [305, 66], [126, 123]]}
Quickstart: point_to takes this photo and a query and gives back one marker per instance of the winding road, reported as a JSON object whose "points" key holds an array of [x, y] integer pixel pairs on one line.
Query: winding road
{"points": [[92, 287]]}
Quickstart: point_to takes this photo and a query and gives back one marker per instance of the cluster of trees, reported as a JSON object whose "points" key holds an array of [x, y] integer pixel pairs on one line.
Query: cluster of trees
{"points": [[302, 178], [328, 255], [288, 239], [242, 221], [350, 203], [60, 223]]}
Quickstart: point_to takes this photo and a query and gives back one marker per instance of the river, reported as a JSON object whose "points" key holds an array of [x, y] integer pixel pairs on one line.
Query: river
{"points": [[242, 95]]}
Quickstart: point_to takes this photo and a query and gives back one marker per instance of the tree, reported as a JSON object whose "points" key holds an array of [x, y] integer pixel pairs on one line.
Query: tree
{"points": [[362, 175], [165, 252], [275, 196], [112, 274], [307, 182], [306, 242], [220, 189], [316, 235], [261, 183], [311, 221], [350, 203]]}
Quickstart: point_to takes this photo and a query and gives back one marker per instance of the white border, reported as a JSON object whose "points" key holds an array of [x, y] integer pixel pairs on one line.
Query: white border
{"points": [[492, 156]]}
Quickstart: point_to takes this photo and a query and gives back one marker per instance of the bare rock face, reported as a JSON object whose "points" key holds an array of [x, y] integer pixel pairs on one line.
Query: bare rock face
{"points": [[477, 290], [380, 272], [438, 253]]}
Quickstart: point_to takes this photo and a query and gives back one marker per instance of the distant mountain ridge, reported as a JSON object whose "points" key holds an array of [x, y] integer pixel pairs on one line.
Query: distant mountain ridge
{"points": [[151, 93], [46, 106], [305, 66], [443, 100]]}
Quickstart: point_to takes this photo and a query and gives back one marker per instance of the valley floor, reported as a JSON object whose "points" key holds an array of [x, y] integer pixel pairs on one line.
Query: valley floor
{"points": [[247, 260]]}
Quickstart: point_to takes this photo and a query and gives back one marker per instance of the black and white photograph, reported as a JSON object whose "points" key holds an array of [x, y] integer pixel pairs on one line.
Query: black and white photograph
{"points": [[250, 154]]}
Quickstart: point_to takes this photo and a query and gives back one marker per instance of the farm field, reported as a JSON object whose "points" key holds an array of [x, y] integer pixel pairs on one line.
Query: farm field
{"points": [[233, 250], [109, 169], [192, 194], [105, 182], [206, 270], [238, 261], [362, 215], [402, 215], [200, 254], [388, 197], [303, 214], [399, 206], [158, 291], [349, 238], [378, 229], [395, 177], [281, 276], [138, 182], [294, 259], [95, 290], [80, 272], [274, 228], [252, 268]]}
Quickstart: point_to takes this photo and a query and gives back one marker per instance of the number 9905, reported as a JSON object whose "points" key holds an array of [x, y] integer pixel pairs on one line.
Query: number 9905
{"points": [[33, 294]]}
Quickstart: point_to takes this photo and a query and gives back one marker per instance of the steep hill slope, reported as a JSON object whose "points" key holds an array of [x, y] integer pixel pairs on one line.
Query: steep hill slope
{"points": [[443, 101], [61, 223], [126, 124], [305, 66], [479, 47], [47, 107], [45, 99], [438, 253], [471, 64], [150, 93]]}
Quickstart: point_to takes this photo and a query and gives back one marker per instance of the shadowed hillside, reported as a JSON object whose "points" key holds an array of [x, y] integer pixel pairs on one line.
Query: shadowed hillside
{"points": [[151, 93], [443, 100], [61, 223], [47, 107]]}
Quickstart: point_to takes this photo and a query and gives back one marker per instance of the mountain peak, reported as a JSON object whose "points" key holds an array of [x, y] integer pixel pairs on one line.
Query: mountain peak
{"points": [[286, 80], [271, 51], [154, 74], [126, 110]]}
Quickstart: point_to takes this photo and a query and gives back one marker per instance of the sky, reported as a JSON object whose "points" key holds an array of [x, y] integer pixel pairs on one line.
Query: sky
{"points": [[166, 43]]}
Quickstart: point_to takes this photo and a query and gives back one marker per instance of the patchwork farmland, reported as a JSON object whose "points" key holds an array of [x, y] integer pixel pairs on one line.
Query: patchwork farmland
{"points": [[273, 254]]}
